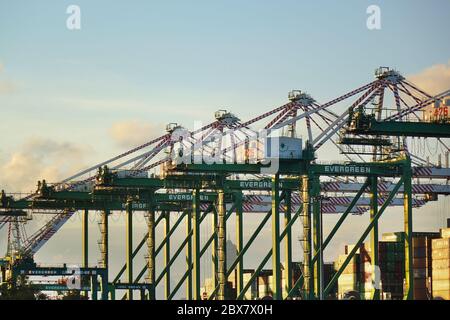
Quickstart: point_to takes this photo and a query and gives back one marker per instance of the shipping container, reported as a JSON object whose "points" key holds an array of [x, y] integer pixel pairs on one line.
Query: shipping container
{"points": [[443, 253], [441, 243], [445, 233], [441, 285], [441, 274], [444, 294]]}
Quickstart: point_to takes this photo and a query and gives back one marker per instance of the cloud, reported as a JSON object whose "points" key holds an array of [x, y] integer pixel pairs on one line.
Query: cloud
{"points": [[102, 104], [434, 79], [7, 87], [131, 133], [39, 159]]}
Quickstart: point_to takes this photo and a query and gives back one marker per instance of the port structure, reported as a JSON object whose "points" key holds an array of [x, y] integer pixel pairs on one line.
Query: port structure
{"points": [[224, 168]]}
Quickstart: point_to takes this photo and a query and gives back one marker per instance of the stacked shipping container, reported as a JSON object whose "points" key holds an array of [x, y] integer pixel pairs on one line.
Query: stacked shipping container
{"points": [[441, 265], [358, 275], [349, 280], [391, 263]]}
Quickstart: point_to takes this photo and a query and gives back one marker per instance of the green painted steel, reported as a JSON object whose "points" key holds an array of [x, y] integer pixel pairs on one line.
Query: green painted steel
{"points": [[189, 255], [163, 242], [133, 195], [196, 243], [308, 283], [317, 238], [94, 288], [214, 247], [56, 287], [202, 252], [374, 233], [85, 241], [221, 247], [246, 247], [136, 250], [288, 244], [302, 167], [187, 182], [151, 253], [239, 241], [408, 228], [104, 251], [167, 257], [332, 233], [363, 237], [129, 248], [241, 295], [404, 128]]}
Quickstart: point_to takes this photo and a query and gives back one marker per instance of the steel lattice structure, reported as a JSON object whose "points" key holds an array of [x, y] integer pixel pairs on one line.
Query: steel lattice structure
{"points": [[222, 169]]}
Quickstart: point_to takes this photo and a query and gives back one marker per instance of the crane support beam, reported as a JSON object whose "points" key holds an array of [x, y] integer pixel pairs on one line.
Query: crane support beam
{"points": [[167, 253], [241, 294], [136, 250], [300, 280], [85, 240], [308, 284], [373, 221], [288, 245], [196, 243], [239, 241], [404, 128], [189, 254], [129, 248], [408, 229], [151, 241], [104, 251], [202, 252], [276, 263], [374, 232], [221, 248]]}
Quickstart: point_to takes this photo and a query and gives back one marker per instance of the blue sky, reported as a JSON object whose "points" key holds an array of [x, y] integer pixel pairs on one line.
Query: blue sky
{"points": [[190, 59], [178, 61]]}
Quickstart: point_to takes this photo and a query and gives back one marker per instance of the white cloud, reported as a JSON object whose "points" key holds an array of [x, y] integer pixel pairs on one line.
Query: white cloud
{"points": [[434, 79], [131, 133], [102, 104], [39, 159], [7, 87]]}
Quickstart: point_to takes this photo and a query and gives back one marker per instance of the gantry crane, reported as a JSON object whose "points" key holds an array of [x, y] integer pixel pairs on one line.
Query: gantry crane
{"points": [[239, 173]]}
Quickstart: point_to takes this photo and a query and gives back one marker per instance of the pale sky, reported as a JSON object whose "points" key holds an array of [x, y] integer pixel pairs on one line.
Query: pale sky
{"points": [[69, 98]]}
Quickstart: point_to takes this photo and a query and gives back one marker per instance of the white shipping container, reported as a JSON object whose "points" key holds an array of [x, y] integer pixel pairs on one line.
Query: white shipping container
{"points": [[132, 174], [445, 233], [283, 148]]}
